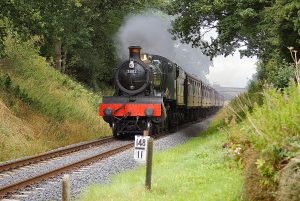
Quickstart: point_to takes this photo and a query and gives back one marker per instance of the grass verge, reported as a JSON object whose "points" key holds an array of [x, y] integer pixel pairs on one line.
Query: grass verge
{"points": [[198, 170], [41, 108], [268, 135]]}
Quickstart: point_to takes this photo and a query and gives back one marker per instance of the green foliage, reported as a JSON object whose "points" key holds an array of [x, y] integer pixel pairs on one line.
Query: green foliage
{"points": [[84, 30], [239, 106], [244, 103], [274, 126], [196, 170], [255, 89], [40, 108], [276, 72], [273, 130], [279, 75], [7, 84], [34, 81], [262, 26], [6, 81]]}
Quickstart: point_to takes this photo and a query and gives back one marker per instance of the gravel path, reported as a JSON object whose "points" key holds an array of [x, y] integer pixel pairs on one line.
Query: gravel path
{"points": [[102, 170]]}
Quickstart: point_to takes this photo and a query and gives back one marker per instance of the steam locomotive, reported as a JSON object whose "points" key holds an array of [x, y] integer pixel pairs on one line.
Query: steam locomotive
{"points": [[154, 94]]}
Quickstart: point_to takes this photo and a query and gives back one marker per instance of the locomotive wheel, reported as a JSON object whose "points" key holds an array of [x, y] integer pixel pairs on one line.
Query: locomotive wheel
{"points": [[114, 130], [165, 125], [149, 127]]}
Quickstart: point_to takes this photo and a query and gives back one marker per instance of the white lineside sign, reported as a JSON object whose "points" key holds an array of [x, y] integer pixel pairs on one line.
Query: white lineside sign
{"points": [[140, 148]]}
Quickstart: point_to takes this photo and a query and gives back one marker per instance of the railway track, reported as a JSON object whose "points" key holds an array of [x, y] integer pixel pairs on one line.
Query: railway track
{"points": [[52, 154], [4, 190], [10, 167]]}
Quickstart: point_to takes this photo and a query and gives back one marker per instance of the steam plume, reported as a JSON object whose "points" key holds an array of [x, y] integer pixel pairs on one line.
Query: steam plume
{"points": [[150, 31]]}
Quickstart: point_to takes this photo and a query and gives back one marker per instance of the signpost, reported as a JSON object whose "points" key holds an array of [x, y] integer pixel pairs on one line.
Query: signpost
{"points": [[140, 148], [143, 151]]}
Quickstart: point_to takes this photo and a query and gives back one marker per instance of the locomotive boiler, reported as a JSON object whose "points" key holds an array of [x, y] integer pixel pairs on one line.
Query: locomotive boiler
{"points": [[152, 93]]}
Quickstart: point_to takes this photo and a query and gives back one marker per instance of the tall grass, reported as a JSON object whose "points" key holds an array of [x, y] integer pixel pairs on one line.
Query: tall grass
{"points": [[53, 109], [272, 129], [51, 92], [17, 137], [276, 124]]}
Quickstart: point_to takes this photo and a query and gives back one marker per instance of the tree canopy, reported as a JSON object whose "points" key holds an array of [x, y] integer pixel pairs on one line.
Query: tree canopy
{"points": [[262, 28], [258, 27], [77, 36]]}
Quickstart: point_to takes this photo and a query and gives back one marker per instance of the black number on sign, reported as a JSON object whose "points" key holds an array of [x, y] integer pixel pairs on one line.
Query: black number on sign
{"points": [[140, 154], [137, 142], [140, 142]]}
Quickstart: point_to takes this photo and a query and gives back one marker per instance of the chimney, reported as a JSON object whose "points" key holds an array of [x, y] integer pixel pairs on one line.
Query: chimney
{"points": [[134, 52]]}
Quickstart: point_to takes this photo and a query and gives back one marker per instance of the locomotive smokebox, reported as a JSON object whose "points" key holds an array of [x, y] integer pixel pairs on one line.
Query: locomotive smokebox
{"points": [[133, 75], [135, 52]]}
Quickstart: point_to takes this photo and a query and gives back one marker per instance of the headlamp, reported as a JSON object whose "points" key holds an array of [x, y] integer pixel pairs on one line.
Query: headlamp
{"points": [[108, 111], [149, 112]]}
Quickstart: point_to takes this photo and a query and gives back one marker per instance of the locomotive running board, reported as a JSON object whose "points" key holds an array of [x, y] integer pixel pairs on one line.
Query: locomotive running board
{"points": [[135, 99]]}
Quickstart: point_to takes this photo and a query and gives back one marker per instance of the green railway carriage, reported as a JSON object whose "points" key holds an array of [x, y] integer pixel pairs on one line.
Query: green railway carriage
{"points": [[185, 96], [182, 88]]}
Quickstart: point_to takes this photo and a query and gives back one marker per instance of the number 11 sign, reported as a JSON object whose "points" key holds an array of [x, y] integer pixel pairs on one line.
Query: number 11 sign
{"points": [[140, 148]]}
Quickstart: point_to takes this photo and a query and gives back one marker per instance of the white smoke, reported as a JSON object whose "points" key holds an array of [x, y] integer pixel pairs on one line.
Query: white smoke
{"points": [[150, 31]]}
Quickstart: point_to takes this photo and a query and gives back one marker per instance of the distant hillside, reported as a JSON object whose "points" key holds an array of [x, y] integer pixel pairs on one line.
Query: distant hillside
{"points": [[40, 108]]}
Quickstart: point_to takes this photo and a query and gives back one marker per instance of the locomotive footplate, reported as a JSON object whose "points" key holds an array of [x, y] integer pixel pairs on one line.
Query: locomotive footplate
{"points": [[122, 109], [125, 106], [135, 99]]}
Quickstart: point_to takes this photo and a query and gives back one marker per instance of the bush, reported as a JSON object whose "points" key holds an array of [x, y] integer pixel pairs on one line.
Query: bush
{"points": [[279, 73], [275, 125], [276, 72], [272, 129]]}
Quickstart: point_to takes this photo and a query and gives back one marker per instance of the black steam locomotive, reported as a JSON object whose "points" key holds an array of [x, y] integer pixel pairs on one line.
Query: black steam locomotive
{"points": [[154, 94]]}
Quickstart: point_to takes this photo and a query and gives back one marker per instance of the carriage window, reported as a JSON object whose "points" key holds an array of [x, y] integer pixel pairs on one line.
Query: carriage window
{"points": [[193, 87]]}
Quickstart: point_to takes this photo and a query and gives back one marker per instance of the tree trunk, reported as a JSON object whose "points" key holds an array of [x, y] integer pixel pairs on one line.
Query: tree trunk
{"points": [[64, 60], [58, 55]]}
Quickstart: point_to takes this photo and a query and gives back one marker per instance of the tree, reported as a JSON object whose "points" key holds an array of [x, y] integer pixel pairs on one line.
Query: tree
{"points": [[259, 26], [77, 36]]}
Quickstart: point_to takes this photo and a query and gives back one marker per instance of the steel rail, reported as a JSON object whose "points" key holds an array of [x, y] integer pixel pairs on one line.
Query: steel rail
{"points": [[52, 154], [11, 188], [18, 185]]}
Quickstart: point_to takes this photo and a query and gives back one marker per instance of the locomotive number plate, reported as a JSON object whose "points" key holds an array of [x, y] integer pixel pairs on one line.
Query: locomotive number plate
{"points": [[140, 148], [131, 71]]}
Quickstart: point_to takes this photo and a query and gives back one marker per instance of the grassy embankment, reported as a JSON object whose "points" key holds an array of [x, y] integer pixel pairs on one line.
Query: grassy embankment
{"points": [[269, 137], [40, 108], [198, 170]]}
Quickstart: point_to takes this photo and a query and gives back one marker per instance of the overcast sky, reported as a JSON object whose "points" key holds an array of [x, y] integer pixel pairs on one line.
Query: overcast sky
{"points": [[232, 71]]}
